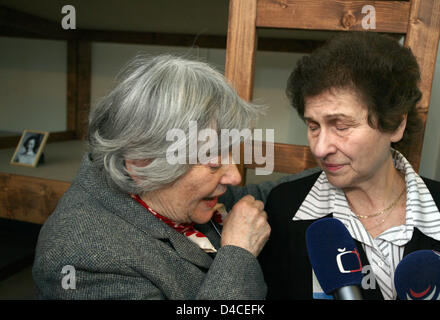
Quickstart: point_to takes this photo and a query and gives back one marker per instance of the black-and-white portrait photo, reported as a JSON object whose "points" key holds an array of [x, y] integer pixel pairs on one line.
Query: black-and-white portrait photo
{"points": [[30, 148]]}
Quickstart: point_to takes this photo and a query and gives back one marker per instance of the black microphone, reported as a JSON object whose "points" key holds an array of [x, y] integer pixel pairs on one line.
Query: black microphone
{"points": [[417, 276], [334, 259]]}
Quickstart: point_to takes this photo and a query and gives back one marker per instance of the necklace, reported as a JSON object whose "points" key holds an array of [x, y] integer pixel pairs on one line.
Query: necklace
{"points": [[384, 210]]}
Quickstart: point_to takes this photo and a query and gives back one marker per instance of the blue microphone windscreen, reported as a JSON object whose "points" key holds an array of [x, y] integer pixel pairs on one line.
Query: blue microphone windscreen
{"points": [[417, 276], [333, 255]]}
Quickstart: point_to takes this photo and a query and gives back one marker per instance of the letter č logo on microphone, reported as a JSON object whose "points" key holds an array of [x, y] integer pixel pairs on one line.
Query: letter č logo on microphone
{"points": [[348, 261]]}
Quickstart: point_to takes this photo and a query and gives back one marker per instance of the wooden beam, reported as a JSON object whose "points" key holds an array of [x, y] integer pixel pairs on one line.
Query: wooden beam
{"points": [[79, 72], [288, 45], [202, 41], [423, 38], [240, 51], [12, 141], [241, 47], [170, 39], [84, 76], [153, 38], [391, 16], [10, 32], [288, 158], [20, 22], [9, 142], [189, 40], [72, 84], [29, 199]]}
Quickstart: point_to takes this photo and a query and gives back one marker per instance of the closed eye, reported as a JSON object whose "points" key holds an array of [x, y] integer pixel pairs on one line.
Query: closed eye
{"points": [[214, 167], [312, 126]]}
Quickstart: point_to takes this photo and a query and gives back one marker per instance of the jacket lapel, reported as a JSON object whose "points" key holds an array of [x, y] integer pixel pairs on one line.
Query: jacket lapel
{"points": [[188, 250], [420, 242]]}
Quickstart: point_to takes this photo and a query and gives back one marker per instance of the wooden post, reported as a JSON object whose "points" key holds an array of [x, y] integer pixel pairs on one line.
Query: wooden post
{"points": [[240, 52], [72, 84], [78, 86], [84, 88]]}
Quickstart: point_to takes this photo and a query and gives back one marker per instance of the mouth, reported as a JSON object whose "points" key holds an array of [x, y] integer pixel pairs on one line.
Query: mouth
{"points": [[210, 201], [333, 167]]}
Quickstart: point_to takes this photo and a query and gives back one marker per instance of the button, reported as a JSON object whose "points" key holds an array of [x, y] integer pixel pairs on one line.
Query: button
{"points": [[380, 263]]}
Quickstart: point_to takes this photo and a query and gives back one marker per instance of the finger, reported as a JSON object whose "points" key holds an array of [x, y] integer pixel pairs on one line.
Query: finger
{"points": [[248, 198], [264, 214], [259, 204]]}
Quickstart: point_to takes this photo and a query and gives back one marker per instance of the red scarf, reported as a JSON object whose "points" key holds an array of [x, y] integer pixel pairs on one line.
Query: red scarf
{"points": [[187, 229]]}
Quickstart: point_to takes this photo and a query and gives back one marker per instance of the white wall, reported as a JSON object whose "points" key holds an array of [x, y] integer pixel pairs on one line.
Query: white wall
{"points": [[109, 58], [33, 84], [33, 89]]}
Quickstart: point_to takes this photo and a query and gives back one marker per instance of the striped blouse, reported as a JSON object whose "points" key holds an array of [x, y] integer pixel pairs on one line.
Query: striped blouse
{"points": [[386, 250]]}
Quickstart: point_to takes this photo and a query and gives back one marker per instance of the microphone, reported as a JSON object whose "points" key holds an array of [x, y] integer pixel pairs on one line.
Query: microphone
{"points": [[417, 276], [335, 259]]}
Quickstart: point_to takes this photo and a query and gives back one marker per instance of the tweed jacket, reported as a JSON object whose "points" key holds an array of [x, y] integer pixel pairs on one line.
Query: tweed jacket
{"points": [[117, 250]]}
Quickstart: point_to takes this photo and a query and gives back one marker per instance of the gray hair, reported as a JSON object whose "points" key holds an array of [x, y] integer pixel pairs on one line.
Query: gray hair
{"points": [[153, 96]]}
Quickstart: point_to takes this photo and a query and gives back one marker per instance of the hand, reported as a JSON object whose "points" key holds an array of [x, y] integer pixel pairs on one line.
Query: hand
{"points": [[246, 226]]}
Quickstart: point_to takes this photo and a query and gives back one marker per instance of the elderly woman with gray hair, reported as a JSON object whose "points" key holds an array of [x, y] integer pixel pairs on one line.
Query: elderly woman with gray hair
{"points": [[135, 225]]}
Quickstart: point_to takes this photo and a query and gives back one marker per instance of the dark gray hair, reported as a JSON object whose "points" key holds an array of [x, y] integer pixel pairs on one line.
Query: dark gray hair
{"points": [[153, 96]]}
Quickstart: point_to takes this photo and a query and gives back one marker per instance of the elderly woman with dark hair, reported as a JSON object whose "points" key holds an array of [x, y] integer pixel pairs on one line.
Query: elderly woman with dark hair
{"points": [[135, 225], [357, 95]]}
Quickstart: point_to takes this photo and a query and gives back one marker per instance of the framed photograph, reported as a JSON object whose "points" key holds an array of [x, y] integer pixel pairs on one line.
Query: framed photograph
{"points": [[30, 148]]}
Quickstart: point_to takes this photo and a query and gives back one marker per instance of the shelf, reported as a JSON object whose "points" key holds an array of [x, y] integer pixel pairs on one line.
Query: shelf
{"points": [[31, 194]]}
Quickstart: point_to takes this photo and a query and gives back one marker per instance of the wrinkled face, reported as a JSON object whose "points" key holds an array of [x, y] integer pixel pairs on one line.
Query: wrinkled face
{"points": [[343, 143], [193, 196]]}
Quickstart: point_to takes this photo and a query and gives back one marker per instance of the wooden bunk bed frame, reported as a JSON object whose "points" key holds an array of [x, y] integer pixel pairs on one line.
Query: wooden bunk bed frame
{"points": [[418, 20]]}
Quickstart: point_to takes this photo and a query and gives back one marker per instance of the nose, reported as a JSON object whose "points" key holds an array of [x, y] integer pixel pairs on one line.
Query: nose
{"points": [[231, 175], [322, 145]]}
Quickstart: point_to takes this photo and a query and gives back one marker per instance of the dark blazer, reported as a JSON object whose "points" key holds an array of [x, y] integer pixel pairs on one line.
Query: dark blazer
{"points": [[284, 259]]}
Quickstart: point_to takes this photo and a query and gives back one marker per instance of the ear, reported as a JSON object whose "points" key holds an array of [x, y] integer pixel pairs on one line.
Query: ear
{"points": [[397, 135], [136, 163]]}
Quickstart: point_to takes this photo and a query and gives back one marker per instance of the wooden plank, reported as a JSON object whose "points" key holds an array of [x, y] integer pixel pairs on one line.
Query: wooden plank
{"points": [[12, 141], [6, 31], [241, 47], [191, 40], [24, 22], [240, 51], [61, 136], [154, 38], [288, 158], [288, 45], [171, 39], [72, 84], [391, 16], [422, 38], [9, 142], [29, 199], [84, 72]]}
